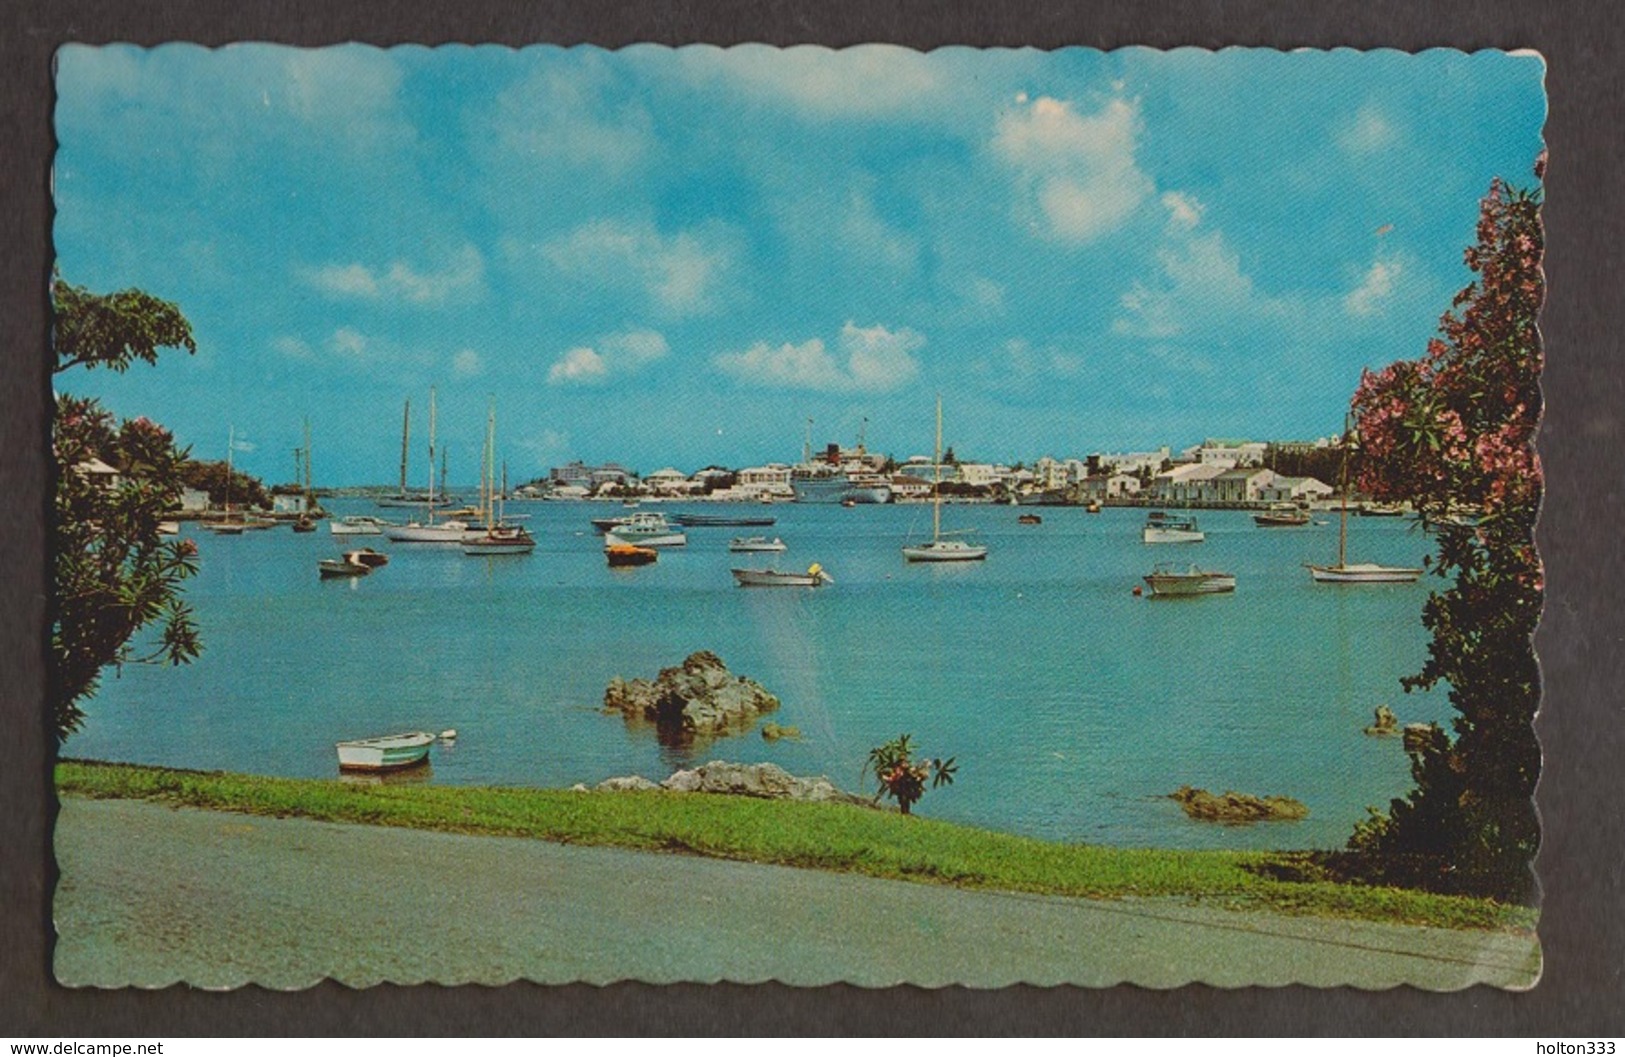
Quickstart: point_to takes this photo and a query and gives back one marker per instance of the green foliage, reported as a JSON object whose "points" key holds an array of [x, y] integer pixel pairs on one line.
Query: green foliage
{"points": [[837, 837], [901, 777], [113, 575], [1453, 432], [242, 489]]}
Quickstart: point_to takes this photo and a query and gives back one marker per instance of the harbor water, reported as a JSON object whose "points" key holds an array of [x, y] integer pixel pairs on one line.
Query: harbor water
{"points": [[1073, 706]]}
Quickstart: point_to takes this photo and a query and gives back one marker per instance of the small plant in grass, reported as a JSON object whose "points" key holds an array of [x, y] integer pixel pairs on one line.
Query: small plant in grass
{"points": [[902, 777]]}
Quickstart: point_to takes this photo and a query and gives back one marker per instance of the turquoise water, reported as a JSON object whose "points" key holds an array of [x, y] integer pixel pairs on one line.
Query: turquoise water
{"points": [[1072, 706]]}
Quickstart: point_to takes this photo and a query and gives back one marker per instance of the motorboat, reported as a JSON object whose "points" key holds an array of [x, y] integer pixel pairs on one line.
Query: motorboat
{"points": [[1029, 519], [815, 576], [366, 556], [1164, 528], [647, 530], [304, 524], [390, 753], [1282, 515], [625, 555], [357, 525], [756, 543], [334, 568], [1167, 579]]}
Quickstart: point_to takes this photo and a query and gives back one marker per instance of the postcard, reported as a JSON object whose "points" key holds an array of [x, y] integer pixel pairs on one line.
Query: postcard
{"points": [[739, 514]]}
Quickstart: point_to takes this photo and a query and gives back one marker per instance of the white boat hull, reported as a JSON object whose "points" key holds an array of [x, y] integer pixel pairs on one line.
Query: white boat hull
{"points": [[1171, 535], [444, 532], [647, 539], [837, 488], [945, 551], [384, 754], [770, 578], [1363, 574], [757, 545], [1186, 584], [356, 527]]}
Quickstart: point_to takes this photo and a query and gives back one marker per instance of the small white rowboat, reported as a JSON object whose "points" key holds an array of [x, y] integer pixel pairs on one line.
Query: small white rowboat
{"points": [[389, 753]]}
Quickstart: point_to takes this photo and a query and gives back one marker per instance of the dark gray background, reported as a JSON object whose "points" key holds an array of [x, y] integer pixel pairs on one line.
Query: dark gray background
{"points": [[1582, 860]]}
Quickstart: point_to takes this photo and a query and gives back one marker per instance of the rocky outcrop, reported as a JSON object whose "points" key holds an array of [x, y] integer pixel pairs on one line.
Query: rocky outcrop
{"points": [[1383, 723], [1237, 809], [700, 697], [764, 780], [774, 732]]}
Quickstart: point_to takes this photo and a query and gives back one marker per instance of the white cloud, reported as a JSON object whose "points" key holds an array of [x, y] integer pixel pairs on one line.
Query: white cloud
{"points": [[1184, 211], [295, 348], [562, 116], [1374, 290], [866, 359], [1368, 132], [680, 274], [869, 80], [1076, 173], [400, 281], [467, 363], [347, 341], [1200, 289], [621, 353]]}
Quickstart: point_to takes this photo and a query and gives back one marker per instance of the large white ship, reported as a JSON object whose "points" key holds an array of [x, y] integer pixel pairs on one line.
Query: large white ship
{"points": [[840, 476]]}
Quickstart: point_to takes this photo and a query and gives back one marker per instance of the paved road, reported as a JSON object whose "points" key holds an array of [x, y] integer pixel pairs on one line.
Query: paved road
{"points": [[151, 895]]}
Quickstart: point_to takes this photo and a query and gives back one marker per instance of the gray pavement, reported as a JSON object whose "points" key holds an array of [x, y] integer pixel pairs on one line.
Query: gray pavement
{"points": [[151, 895]]}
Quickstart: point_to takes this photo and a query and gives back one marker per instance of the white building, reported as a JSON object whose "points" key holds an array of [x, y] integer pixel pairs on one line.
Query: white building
{"points": [[1238, 485], [907, 486], [194, 501], [1292, 489], [1231, 453], [1110, 486], [1134, 461], [99, 473], [981, 474], [1050, 474], [757, 481], [667, 481], [1183, 483]]}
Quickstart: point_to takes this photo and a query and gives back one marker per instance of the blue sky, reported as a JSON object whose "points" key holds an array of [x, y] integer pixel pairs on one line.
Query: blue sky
{"points": [[677, 257]]}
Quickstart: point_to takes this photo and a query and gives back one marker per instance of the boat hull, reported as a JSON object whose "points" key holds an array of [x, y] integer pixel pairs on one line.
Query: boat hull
{"points": [[625, 556], [1176, 585], [446, 532], [1171, 535], [1280, 520], [356, 527], [945, 552], [757, 545], [332, 568], [1363, 574], [393, 753], [770, 578], [647, 539], [838, 489], [720, 520]]}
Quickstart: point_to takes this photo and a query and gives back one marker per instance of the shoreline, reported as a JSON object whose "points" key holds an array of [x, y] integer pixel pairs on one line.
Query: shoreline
{"points": [[825, 837]]}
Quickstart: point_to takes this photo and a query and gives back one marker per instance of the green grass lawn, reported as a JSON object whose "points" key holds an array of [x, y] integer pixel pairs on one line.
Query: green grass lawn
{"points": [[818, 836]]}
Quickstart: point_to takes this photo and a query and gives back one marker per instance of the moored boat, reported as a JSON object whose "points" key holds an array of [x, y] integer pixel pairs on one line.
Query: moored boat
{"points": [[1029, 519], [940, 548], [357, 525], [390, 753], [1168, 580], [334, 568], [366, 556], [625, 555], [647, 530], [1282, 515], [717, 520], [169, 528], [1163, 528], [756, 543], [1360, 572], [815, 576], [500, 539]]}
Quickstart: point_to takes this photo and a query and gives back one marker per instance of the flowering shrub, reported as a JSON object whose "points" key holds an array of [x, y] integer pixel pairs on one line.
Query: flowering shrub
{"points": [[903, 778], [113, 574], [1453, 433]]}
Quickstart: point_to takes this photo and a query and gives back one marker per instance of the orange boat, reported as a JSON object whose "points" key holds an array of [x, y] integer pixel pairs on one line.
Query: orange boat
{"points": [[626, 554]]}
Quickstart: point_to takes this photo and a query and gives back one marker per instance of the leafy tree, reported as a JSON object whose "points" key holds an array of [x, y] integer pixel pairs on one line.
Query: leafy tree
{"points": [[210, 476], [1453, 432], [113, 574], [901, 777]]}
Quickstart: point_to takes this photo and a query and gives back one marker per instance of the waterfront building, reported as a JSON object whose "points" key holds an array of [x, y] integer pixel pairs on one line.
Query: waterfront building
{"points": [[194, 501], [667, 481], [1183, 483], [1231, 453], [1109, 486], [981, 474], [1292, 489], [1239, 485], [908, 486], [1132, 462]]}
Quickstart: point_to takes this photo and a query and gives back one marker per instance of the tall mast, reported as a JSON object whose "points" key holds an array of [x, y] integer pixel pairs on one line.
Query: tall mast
{"points": [[310, 495], [231, 442], [406, 434], [1343, 517], [806, 448], [488, 470], [936, 490], [431, 453]]}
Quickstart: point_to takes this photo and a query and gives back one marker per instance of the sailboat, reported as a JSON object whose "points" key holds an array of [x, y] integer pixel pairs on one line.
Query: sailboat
{"points": [[940, 549], [1362, 572], [229, 525], [427, 530], [497, 537], [404, 497]]}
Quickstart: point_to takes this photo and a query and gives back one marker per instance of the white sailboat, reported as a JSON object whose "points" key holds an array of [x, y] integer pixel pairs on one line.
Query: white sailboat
{"points": [[1360, 572], [940, 549], [428, 530], [231, 524]]}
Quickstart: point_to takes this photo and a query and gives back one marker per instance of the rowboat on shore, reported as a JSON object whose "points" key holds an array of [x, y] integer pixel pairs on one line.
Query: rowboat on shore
{"points": [[390, 753]]}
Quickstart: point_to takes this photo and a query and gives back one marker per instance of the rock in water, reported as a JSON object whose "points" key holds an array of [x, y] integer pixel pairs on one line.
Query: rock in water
{"points": [[698, 697], [774, 732], [1383, 722], [1237, 809]]}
